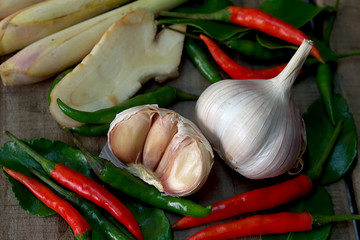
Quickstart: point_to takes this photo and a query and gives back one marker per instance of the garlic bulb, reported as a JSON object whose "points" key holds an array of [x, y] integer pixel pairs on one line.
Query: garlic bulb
{"points": [[162, 148], [254, 125]]}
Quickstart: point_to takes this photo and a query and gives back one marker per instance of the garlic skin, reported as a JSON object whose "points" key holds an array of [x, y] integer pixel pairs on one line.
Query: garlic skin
{"points": [[162, 148], [254, 125]]}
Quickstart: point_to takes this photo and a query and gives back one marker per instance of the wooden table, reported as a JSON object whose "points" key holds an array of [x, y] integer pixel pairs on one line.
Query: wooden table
{"points": [[24, 111]]}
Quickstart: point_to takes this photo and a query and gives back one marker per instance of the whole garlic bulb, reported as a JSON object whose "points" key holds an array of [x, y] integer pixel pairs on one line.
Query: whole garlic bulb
{"points": [[162, 148], [254, 125]]}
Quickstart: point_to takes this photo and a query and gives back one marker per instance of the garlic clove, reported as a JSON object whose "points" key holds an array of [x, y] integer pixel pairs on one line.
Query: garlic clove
{"points": [[128, 136], [176, 157], [185, 168], [160, 134]]}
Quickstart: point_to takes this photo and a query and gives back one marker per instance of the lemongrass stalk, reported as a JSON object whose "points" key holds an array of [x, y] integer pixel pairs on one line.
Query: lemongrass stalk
{"points": [[40, 20], [8, 7], [57, 52]]}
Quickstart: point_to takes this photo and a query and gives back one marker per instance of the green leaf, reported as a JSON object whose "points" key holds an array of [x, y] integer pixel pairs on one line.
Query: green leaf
{"points": [[318, 202], [208, 6], [219, 31], [27, 200], [319, 129], [294, 12], [273, 43], [13, 157], [216, 30], [153, 222]]}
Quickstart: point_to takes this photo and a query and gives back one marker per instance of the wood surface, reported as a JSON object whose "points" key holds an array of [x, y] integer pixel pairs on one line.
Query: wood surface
{"points": [[24, 111]]}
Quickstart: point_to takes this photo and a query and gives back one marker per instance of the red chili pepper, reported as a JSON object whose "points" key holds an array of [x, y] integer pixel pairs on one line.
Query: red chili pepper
{"points": [[262, 21], [85, 187], [78, 224], [91, 190], [268, 224], [256, 19], [257, 225], [234, 69], [275, 195]]}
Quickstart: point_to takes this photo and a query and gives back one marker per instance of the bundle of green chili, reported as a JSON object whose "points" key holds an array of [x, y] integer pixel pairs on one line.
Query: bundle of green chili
{"points": [[132, 186], [97, 123]]}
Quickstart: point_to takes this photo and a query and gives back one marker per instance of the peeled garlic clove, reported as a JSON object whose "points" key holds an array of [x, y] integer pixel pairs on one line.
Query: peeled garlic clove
{"points": [[158, 138], [185, 165], [254, 125], [175, 156], [128, 136]]}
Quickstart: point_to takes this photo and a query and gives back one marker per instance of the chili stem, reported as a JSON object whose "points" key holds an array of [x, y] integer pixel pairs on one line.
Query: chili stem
{"points": [[316, 171], [324, 81], [95, 162], [182, 32], [46, 164], [319, 220], [330, 24], [349, 54]]}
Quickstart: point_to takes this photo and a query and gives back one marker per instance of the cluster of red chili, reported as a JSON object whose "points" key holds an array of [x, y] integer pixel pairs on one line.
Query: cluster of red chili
{"points": [[253, 18], [267, 197], [80, 184], [263, 199], [256, 19]]}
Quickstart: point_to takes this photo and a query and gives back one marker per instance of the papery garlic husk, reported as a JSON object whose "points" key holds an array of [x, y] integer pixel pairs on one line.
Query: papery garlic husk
{"points": [[162, 148], [254, 125]]}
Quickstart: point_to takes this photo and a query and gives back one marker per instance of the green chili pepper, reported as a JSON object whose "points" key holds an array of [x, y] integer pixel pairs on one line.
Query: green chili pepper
{"points": [[254, 50], [90, 130], [324, 78], [88, 210], [163, 97], [57, 79], [130, 185], [330, 24], [201, 61]]}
